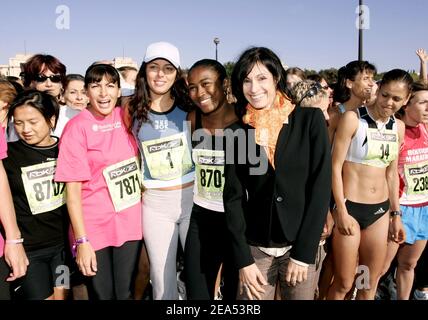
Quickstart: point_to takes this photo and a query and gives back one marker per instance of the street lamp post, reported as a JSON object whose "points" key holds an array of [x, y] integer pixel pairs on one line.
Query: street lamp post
{"points": [[216, 42], [360, 31]]}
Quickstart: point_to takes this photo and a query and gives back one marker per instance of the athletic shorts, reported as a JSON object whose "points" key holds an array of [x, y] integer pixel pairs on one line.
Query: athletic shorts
{"points": [[366, 214], [46, 270], [415, 222]]}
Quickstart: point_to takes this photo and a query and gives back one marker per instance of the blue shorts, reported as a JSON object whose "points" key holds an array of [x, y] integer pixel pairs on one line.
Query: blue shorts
{"points": [[415, 222]]}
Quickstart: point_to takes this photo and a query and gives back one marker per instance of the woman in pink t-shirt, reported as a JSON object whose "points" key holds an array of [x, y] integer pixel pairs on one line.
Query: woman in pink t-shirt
{"points": [[412, 168], [14, 251], [98, 160]]}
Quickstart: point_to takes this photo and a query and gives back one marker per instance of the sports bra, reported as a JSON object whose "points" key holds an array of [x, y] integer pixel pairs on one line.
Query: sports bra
{"points": [[372, 144]]}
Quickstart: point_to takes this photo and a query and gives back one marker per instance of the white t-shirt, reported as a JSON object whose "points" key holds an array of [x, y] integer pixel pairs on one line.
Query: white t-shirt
{"points": [[66, 113]]}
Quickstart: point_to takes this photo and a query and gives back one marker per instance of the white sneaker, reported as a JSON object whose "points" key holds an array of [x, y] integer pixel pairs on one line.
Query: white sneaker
{"points": [[420, 295]]}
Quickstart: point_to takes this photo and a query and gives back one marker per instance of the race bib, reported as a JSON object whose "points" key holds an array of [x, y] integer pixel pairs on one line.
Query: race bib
{"points": [[43, 193], [382, 147], [416, 178], [124, 183], [209, 173], [167, 158]]}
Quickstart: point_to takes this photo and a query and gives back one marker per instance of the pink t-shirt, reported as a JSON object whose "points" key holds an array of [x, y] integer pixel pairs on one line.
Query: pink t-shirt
{"points": [[88, 145], [3, 154], [413, 166]]}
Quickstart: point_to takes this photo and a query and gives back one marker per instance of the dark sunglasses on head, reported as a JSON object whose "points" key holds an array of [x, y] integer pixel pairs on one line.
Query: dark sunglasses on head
{"points": [[312, 91], [53, 78]]}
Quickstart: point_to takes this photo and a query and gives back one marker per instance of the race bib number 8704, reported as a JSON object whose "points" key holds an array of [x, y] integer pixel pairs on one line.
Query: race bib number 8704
{"points": [[43, 193]]}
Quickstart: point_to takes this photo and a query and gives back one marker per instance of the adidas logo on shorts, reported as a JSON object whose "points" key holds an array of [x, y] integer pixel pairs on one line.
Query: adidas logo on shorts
{"points": [[379, 211]]}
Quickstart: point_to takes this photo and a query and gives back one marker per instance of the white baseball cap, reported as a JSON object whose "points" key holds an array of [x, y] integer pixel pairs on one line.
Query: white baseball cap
{"points": [[163, 50]]}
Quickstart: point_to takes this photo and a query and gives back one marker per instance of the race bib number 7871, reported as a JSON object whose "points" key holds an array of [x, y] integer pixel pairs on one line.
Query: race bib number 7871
{"points": [[124, 183]]}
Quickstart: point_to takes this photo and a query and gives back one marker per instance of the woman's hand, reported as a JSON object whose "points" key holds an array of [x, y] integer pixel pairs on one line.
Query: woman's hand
{"points": [[396, 230], [328, 226], [295, 273], [422, 54], [86, 259], [344, 222], [15, 257], [251, 281]]}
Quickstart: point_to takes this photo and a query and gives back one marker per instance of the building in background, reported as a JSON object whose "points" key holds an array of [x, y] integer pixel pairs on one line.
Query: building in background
{"points": [[14, 67], [124, 61]]}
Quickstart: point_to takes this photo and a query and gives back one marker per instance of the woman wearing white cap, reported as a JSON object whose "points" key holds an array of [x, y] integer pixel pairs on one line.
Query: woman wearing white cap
{"points": [[160, 127]]}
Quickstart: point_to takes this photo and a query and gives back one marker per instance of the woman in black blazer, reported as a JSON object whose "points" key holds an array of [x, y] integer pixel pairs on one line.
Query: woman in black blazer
{"points": [[278, 179]]}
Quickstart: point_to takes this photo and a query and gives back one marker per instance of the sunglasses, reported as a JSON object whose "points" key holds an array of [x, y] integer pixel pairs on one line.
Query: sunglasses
{"points": [[312, 91], [55, 78]]}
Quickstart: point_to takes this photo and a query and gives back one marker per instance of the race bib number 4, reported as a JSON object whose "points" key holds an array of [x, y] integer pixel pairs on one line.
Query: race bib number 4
{"points": [[209, 173], [167, 158], [382, 147], [416, 178], [43, 193], [124, 183]]}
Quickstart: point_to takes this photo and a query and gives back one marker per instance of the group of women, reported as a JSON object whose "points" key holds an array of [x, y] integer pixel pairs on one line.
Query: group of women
{"points": [[239, 171]]}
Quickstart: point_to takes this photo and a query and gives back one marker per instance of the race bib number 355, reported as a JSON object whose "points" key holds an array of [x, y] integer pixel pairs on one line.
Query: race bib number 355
{"points": [[124, 183], [43, 193]]}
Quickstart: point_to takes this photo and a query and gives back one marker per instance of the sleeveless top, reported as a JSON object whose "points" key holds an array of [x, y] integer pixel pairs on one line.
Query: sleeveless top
{"points": [[373, 144], [208, 156]]}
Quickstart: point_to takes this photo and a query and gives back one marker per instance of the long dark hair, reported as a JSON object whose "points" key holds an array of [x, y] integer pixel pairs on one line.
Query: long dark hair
{"points": [[243, 67], [139, 105]]}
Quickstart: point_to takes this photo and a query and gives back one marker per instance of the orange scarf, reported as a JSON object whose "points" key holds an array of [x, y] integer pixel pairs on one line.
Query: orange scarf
{"points": [[268, 122]]}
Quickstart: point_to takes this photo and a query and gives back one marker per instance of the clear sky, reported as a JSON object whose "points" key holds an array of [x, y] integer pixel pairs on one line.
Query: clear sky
{"points": [[313, 34]]}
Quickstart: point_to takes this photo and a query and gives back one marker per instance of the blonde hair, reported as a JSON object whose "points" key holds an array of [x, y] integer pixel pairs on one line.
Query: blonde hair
{"points": [[300, 93]]}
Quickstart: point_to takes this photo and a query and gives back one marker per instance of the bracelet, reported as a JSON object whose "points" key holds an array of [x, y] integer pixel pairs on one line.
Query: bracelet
{"points": [[79, 241], [396, 213], [15, 241]]}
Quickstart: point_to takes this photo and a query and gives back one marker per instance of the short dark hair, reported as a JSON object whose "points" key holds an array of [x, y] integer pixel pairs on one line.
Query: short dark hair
{"points": [[33, 67], [341, 92], [243, 67], [42, 101], [213, 64], [96, 72]]}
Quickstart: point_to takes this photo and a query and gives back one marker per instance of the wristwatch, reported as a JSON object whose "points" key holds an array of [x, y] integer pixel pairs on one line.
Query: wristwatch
{"points": [[396, 213]]}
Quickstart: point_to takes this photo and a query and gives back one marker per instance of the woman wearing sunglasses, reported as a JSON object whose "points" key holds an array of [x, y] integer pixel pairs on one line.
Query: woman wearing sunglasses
{"points": [[45, 73]]}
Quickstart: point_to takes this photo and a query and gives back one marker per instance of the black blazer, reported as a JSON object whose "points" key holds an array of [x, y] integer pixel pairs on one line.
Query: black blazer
{"points": [[297, 191]]}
